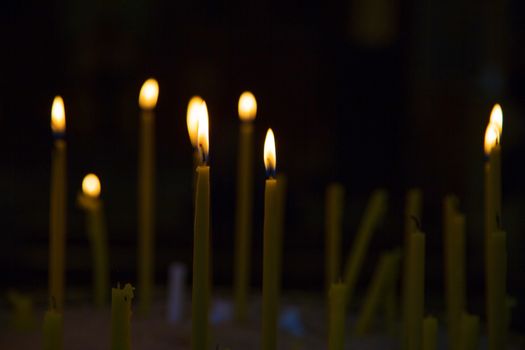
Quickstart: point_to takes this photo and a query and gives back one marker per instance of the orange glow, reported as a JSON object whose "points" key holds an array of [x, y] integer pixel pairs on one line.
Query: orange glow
{"points": [[149, 93], [58, 116], [247, 106], [203, 138], [491, 138], [91, 185], [496, 117], [192, 119], [270, 155]]}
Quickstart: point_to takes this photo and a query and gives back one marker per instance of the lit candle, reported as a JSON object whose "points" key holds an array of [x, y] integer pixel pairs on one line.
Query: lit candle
{"points": [[57, 221], [201, 244], [96, 229], [416, 287], [192, 122], [337, 315], [374, 213], [243, 223], [270, 248], [121, 317], [334, 204], [430, 328], [146, 193], [52, 330], [469, 339]]}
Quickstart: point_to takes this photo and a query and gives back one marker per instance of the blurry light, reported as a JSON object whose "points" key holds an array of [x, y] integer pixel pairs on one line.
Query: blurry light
{"points": [[247, 106], [58, 116], [149, 93], [91, 185], [192, 119]]}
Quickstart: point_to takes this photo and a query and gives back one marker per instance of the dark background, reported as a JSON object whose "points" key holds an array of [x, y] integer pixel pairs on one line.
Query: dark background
{"points": [[372, 93]]}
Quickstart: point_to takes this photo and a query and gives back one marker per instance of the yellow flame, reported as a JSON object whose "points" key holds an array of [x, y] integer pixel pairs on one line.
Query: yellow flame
{"points": [[491, 138], [149, 93], [192, 118], [270, 156], [203, 138], [247, 106], [91, 185], [58, 115], [496, 117]]}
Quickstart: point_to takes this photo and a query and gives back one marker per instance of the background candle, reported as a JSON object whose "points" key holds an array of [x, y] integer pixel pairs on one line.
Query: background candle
{"points": [[430, 328], [121, 317], [334, 204], [469, 338], [201, 245], [52, 331], [337, 315], [57, 221], [416, 290], [96, 230], [243, 218], [270, 248], [146, 193]]}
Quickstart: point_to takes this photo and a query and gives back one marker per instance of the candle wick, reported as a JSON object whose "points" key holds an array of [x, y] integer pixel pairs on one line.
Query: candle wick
{"points": [[416, 221], [203, 154]]}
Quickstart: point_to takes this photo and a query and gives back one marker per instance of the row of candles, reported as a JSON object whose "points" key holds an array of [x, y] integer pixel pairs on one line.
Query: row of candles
{"points": [[419, 332]]}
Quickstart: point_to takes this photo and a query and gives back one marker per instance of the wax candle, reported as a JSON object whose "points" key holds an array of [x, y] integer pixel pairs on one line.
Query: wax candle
{"points": [[334, 204], [96, 230], [121, 317], [57, 222], [497, 306], [282, 182], [496, 118], [337, 315], [469, 338], [379, 286], [375, 211], [146, 193], [416, 284], [201, 245], [243, 217], [430, 328], [52, 332], [412, 215], [270, 243]]}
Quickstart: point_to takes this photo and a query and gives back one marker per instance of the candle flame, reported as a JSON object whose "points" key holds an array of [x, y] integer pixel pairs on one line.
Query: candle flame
{"points": [[491, 138], [91, 185], [58, 116], [247, 106], [496, 117], [149, 93], [203, 138], [192, 119], [270, 156]]}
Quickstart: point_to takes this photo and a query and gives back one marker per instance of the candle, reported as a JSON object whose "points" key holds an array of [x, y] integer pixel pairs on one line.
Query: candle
{"points": [[201, 244], [52, 331], [430, 328], [146, 193], [497, 306], [121, 317], [337, 315], [334, 204], [380, 285], [89, 200], [57, 222], [270, 247], [192, 121], [282, 181], [243, 219], [416, 286], [469, 338], [374, 213]]}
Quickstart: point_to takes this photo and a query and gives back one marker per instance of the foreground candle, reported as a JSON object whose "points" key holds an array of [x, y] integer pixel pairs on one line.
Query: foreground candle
{"points": [[201, 245], [337, 315], [270, 247], [57, 221], [121, 317], [243, 219], [416, 288], [146, 193], [52, 332], [334, 203], [96, 229]]}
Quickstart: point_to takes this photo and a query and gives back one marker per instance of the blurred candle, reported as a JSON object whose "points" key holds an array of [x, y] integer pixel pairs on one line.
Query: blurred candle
{"points": [[270, 248], [497, 308], [375, 211], [243, 223], [90, 201], [430, 328], [334, 204], [416, 287], [121, 317], [201, 244], [337, 315], [52, 332], [148, 97], [58, 205], [469, 338]]}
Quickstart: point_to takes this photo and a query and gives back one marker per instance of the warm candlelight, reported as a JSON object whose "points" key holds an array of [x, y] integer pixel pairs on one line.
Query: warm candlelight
{"points": [[201, 241], [271, 245], [192, 118], [58, 204], [91, 186], [243, 217], [148, 97]]}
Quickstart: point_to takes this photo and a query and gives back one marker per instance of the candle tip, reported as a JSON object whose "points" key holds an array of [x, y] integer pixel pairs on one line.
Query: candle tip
{"points": [[247, 106]]}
